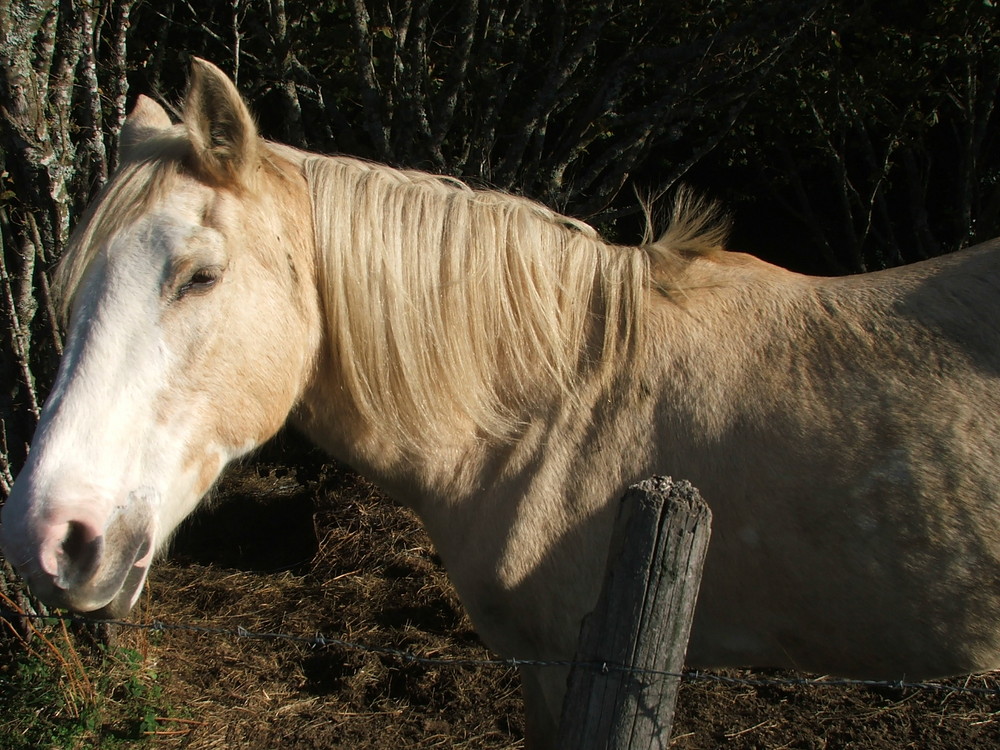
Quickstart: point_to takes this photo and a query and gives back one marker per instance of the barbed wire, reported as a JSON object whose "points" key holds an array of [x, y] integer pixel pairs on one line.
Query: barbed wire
{"points": [[409, 657]]}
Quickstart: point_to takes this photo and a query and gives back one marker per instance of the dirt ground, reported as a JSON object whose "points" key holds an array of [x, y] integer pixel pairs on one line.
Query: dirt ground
{"points": [[319, 551]]}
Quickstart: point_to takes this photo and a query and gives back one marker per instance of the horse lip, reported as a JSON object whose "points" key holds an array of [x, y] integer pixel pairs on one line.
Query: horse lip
{"points": [[116, 593], [109, 601], [120, 606]]}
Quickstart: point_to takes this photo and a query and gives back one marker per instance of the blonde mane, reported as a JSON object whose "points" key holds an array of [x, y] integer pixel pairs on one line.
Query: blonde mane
{"points": [[436, 294]]}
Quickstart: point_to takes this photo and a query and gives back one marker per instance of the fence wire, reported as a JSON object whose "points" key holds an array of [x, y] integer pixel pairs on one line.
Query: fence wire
{"points": [[408, 657]]}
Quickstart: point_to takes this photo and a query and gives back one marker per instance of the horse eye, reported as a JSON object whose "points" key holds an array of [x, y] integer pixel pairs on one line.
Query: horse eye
{"points": [[201, 281]]}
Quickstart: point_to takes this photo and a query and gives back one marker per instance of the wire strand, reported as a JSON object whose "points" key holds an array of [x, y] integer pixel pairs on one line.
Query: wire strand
{"points": [[408, 657]]}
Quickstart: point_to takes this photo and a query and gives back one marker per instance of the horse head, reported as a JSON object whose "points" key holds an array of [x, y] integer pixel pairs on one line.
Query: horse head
{"points": [[193, 318]]}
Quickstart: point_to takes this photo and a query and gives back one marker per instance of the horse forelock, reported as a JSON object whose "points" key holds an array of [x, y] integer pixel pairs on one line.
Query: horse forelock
{"points": [[446, 304], [134, 188]]}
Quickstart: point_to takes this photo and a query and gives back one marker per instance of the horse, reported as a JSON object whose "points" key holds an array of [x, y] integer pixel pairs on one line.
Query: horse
{"points": [[506, 373]]}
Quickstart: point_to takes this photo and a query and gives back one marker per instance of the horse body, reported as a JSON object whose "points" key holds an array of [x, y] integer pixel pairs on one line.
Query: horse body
{"points": [[844, 431]]}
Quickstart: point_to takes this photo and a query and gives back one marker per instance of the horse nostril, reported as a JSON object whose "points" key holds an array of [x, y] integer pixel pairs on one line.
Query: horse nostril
{"points": [[78, 555], [76, 540]]}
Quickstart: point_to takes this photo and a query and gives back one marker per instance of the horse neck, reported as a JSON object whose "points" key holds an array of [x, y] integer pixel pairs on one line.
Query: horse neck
{"points": [[454, 318]]}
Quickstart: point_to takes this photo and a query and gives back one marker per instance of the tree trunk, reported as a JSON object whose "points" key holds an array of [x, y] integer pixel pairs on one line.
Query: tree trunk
{"points": [[62, 89]]}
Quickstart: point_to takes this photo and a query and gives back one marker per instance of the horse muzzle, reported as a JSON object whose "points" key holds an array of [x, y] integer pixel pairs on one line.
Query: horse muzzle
{"points": [[84, 562]]}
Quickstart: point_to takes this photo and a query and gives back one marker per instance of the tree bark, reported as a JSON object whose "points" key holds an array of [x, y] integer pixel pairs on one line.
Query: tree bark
{"points": [[55, 128]]}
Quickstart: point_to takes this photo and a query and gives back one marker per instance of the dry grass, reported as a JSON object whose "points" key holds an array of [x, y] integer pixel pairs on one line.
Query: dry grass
{"points": [[370, 576]]}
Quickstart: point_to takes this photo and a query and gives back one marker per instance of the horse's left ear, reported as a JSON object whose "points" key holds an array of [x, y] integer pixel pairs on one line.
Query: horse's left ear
{"points": [[145, 120], [222, 131]]}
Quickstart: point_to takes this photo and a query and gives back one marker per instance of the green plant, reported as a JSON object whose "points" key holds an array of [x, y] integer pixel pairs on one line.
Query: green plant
{"points": [[63, 690]]}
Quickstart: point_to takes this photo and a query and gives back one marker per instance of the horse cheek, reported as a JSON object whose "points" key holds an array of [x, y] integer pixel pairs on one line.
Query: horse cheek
{"points": [[256, 381]]}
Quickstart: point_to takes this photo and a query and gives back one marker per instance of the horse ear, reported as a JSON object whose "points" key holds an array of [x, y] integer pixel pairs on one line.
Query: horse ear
{"points": [[145, 120], [221, 129]]}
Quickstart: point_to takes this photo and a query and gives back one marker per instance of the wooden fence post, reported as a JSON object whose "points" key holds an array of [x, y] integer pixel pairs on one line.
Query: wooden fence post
{"points": [[641, 622]]}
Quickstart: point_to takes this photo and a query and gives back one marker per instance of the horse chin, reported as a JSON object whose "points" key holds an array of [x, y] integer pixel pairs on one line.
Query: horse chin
{"points": [[111, 601], [125, 599]]}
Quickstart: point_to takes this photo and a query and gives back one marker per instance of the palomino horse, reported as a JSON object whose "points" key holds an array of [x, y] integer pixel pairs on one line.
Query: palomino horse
{"points": [[506, 373]]}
